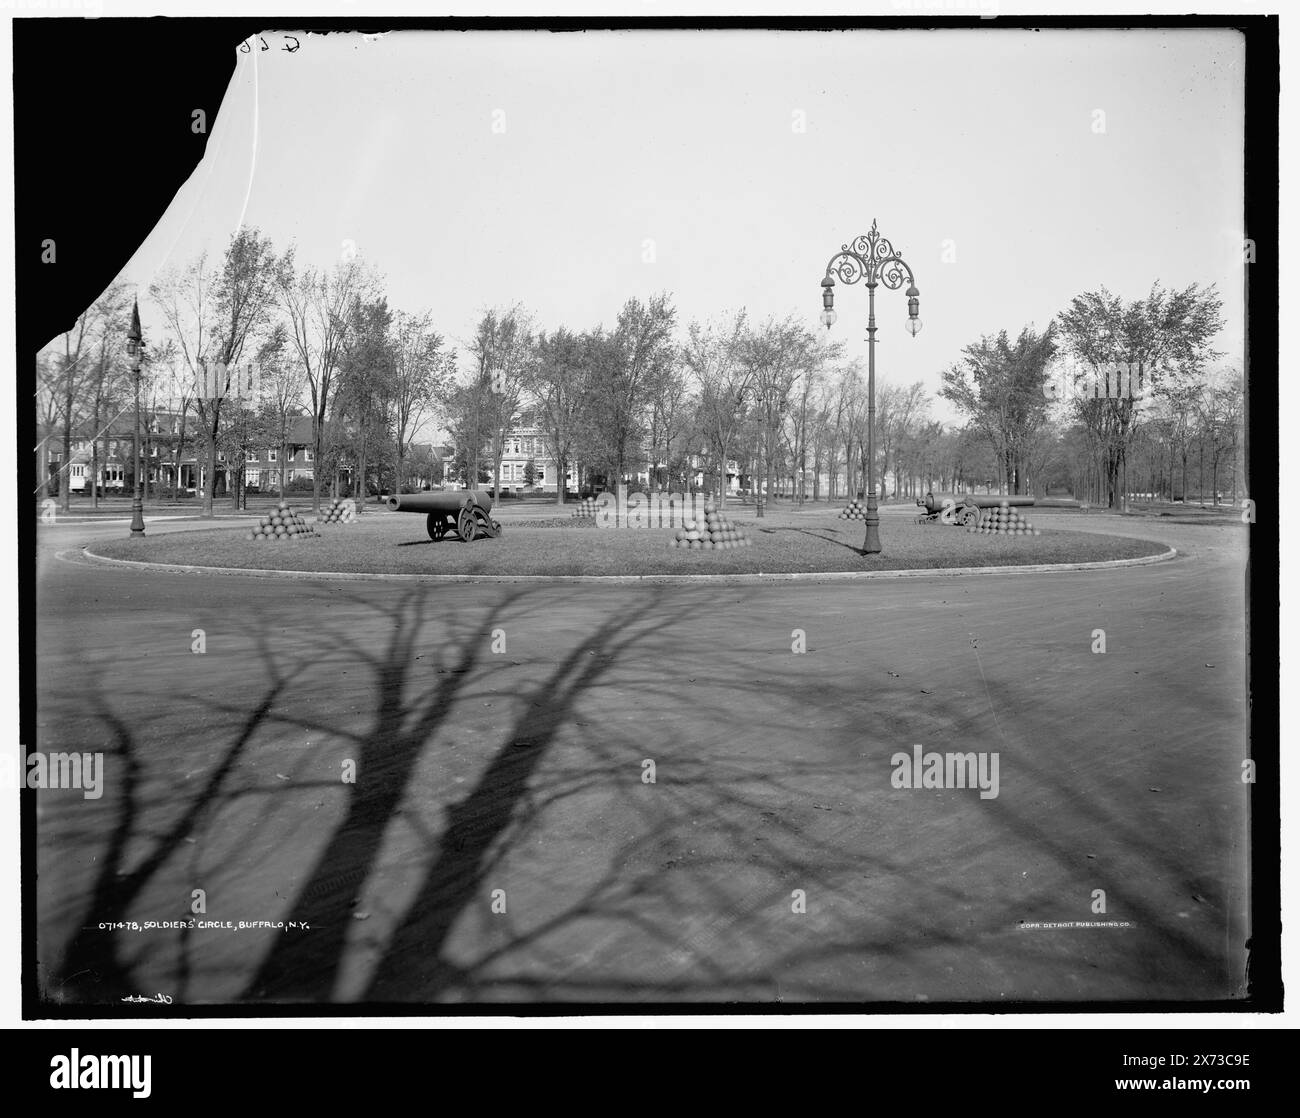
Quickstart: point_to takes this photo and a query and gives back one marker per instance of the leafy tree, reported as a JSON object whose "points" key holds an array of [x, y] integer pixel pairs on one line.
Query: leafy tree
{"points": [[1166, 335], [998, 386], [502, 350], [467, 424], [556, 384], [629, 364]]}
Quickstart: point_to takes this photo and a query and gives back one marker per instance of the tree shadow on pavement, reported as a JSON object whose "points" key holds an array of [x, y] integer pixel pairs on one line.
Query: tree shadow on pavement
{"points": [[479, 775]]}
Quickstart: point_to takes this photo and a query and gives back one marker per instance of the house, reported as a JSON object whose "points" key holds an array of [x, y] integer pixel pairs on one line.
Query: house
{"points": [[525, 445], [263, 466]]}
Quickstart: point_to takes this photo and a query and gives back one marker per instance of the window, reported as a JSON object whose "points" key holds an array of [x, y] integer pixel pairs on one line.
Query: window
{"points": [[306, 454], [273, 456]]}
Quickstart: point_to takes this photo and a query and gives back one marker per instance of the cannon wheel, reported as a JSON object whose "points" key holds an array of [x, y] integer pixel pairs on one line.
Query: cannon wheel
{"points": [[436, 523], [467, 524], [969, 516]]}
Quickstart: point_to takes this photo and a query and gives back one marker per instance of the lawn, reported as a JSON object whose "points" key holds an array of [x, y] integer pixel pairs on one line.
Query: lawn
{"points": [[396, 543]]}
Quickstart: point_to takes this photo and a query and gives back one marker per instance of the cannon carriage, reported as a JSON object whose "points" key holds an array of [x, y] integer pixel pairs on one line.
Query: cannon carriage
{"points": [[466, 512], [965, 511]]}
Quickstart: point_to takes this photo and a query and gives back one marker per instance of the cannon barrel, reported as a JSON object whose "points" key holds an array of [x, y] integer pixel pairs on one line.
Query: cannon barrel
{"points": [[449, 500], [933, 502]]}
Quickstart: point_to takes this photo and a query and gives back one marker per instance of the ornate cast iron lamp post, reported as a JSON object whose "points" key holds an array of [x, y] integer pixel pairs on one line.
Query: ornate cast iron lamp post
{"points": [[872, 260]]}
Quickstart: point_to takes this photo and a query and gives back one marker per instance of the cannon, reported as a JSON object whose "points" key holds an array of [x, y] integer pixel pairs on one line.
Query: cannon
{"points": [[464, 510], [967, 510]]}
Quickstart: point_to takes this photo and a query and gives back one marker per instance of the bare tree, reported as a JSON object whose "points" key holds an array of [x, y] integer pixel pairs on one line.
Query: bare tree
{"points": [[714, 353], [777, 355], [215, 316], [669, 419], [67, 373], [366, 385], [317, 305], [422, 369]]}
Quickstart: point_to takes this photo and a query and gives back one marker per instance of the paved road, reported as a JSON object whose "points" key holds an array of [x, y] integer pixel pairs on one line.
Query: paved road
{"points": [[449, 785]]}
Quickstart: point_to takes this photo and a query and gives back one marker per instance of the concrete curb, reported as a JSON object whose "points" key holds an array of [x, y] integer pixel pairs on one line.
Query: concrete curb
{"points": [[793, 576]]}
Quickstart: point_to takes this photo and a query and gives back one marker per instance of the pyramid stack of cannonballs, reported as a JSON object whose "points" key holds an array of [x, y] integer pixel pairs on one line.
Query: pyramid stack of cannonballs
{"points": [[586, 507], [714, 533], [283, 523], [855, 510], [1004, 521], [341, 510]]}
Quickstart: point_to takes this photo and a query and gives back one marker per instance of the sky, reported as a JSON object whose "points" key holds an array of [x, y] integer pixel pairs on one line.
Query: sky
{"points": [[569, 172]]}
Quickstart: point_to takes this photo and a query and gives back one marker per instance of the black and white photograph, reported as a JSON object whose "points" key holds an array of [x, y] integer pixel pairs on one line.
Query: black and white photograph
{"points": [[642, 518]]}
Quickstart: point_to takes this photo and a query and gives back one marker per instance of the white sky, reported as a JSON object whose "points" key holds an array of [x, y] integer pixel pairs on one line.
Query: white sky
{"points": [[686, 138]]}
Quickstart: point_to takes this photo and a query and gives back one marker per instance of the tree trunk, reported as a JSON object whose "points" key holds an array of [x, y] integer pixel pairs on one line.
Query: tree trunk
{"points": [[94, 454], [65, 487], [210, 481], [1113, 463], [316, 440]]}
